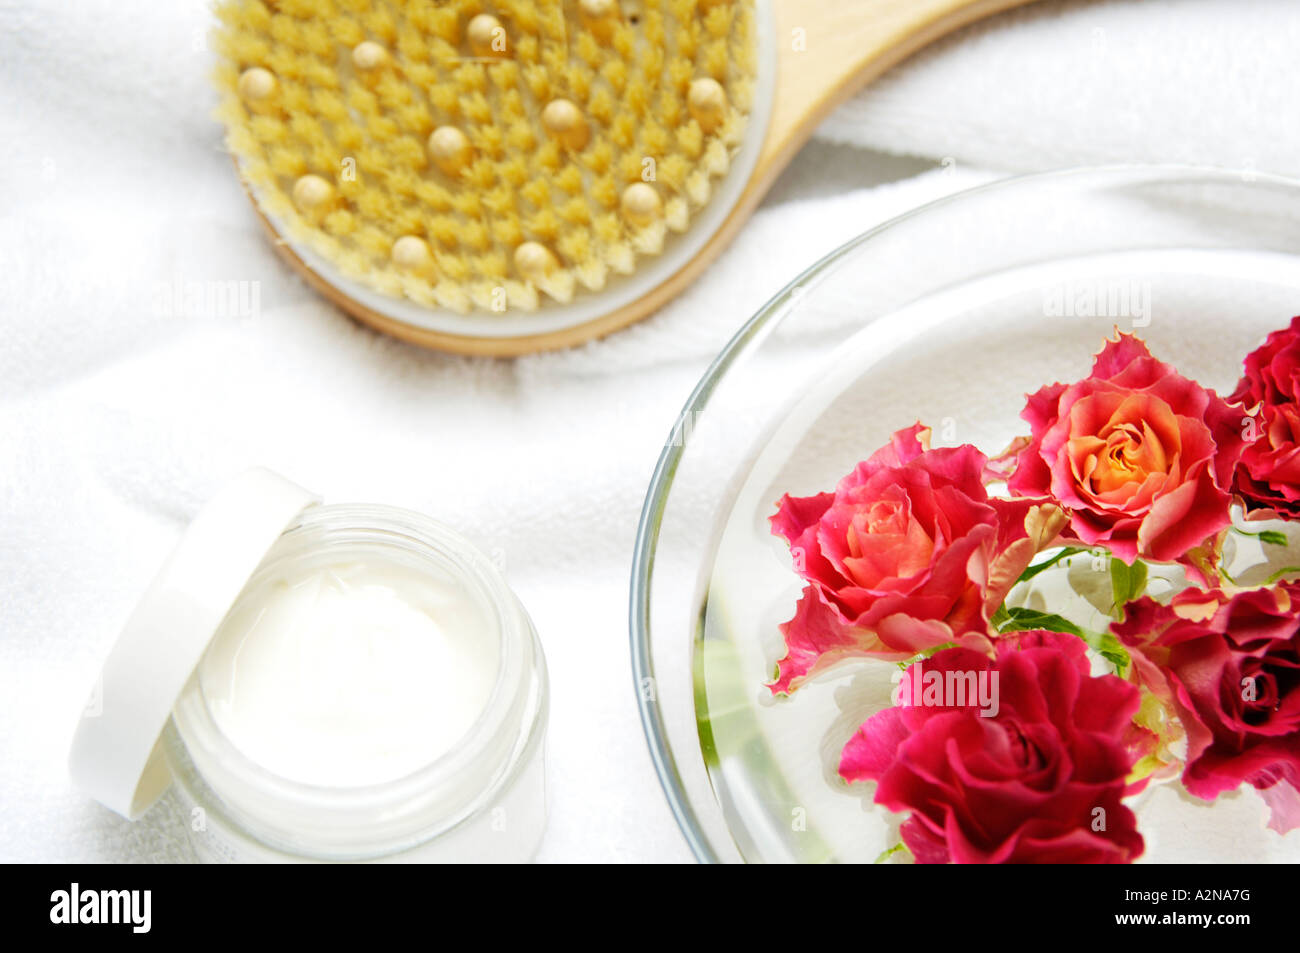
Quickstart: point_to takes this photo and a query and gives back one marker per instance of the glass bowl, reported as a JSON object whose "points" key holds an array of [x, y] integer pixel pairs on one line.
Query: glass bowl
{"points": [[949, 314]]}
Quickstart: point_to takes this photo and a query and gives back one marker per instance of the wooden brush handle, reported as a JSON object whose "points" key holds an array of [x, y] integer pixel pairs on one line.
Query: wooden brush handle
{"points": [[844, 45]]}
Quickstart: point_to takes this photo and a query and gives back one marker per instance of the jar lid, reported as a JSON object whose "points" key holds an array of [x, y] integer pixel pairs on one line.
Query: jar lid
{"points": [[116, 756]]}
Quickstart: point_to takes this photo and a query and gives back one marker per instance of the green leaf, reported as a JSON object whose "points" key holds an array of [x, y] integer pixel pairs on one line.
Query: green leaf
{"points": [[888, 852], [1284, 571], [1273, 537], [1020, 619], [1126, 582], [1111, 649], [1000, 617], [1104, 644], [1032, 571]]}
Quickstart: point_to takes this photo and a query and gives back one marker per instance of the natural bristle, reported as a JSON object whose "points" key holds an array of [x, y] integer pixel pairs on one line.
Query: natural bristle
{"points": [[485, 156]]}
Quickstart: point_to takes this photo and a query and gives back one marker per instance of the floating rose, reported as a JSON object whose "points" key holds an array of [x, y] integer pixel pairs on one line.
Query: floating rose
{"points": [[1140, 456], [1268, 477], [908, 553], [1231, 667], [1040, 781]]}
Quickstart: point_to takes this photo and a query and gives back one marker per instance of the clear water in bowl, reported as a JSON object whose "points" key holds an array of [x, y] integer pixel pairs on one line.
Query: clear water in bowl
{"points": [[960, 359]]}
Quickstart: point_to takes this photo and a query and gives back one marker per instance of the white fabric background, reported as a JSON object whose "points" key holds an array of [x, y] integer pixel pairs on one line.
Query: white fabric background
{"points": [[117, 420]]}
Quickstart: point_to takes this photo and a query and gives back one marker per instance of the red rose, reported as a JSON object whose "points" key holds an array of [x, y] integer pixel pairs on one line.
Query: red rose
{"points": [[1040, 781], [1230, 665], [1141, 457], [908, 553], [1268, 476]]}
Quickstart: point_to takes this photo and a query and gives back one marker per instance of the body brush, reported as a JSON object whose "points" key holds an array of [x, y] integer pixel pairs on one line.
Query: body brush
{"points": [[504, 177]]}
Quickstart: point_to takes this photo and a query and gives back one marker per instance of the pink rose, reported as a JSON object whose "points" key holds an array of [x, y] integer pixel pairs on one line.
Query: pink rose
{"points": [[1141, 457], [1268, 476], [908, 553], [1230, 665], [1039, 781]]}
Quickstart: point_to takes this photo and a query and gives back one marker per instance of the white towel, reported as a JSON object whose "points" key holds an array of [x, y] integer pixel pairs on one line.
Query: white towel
{"points": [[118, 415]]}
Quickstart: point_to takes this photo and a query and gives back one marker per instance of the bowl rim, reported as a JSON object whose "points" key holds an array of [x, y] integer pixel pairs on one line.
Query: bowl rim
{"points": [[661, 481]]}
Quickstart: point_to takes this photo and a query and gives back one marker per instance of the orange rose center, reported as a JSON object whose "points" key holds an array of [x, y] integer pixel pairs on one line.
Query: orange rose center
{"points": [[1136, 447], [886, 541]]}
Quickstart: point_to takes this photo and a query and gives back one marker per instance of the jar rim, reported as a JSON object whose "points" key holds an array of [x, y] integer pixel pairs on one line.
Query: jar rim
{"points": [[426, 801]]}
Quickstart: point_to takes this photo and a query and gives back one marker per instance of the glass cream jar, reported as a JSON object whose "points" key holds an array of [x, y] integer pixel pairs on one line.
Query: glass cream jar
{"points": [[373, 692]]}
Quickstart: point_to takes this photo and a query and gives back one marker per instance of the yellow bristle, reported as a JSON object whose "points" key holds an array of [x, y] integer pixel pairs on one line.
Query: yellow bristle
{"points": [[294, 96], [511, 108], [548, 156], [379, 23], [453, 266], [526, 50], [433, 196], [508, 232], [718, 20], [500, 202], [493, 265], [504, 76], [576, 211], [445, 100], [605, 191], [545, 225], [622, 132], [579, 82], [411, 44], [538, 192], [600, 106], [669, 108], [607, 228], [490, 141], [407, 221], [673, 171], [340, 222], [476, 108], [655, 137], [468, 203], [476, 236], [590, 49], [624, 42], [629, 167], [374, 241], [521, 137], [346, 32], [636, 98], [690, 139], [570, 180], [538, 82], [680, 74], [382, 128], [481, 175], [716, 60], [599, 157], [329, 105], [575, 245], [444, 229], [364, 127], [514, 172], [441, 22]]}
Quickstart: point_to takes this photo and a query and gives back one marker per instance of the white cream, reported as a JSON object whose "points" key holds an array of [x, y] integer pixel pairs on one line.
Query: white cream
{"points": [[351, 673]]}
